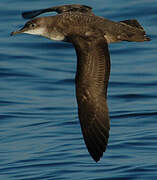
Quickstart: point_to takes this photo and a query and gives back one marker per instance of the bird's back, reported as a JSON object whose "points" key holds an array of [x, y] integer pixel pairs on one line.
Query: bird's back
{"points": [[81, 23]]}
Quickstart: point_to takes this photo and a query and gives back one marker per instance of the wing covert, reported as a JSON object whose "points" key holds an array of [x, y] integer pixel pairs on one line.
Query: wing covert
{"points": [[58, 9], [93, 69]]}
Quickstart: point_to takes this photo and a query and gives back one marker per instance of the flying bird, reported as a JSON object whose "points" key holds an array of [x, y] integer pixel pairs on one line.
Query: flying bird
{"points": [[90, 36]]}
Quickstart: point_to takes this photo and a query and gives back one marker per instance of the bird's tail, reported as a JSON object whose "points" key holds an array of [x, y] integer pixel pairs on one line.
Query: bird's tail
{"points": [[136, 33]]}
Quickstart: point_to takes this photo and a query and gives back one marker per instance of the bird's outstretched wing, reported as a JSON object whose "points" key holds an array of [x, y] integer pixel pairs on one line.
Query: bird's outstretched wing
{"points": [[93, 69], [58, 9]]}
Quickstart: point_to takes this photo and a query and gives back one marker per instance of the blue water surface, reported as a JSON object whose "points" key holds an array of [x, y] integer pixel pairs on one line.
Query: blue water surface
{"points": [[40, 135]]}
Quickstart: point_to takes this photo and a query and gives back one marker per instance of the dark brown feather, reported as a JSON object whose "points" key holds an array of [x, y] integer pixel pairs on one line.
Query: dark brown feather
{"points": [[93, 69], [89, 35], [58, 9]]}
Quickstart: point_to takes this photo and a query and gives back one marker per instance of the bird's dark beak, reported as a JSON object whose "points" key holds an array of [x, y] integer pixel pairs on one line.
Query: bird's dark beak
{"points": [[22, 30]]}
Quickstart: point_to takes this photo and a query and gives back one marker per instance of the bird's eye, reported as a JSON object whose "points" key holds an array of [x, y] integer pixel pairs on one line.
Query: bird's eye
{"points": [[32, 25]]}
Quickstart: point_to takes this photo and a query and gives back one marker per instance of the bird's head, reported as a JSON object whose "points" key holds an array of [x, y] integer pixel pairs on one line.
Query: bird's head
{"points": [[34, 26], [43, 26]]}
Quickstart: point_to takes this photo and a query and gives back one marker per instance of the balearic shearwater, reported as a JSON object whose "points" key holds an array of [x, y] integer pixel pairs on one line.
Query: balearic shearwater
{"points": [[90, 35]]}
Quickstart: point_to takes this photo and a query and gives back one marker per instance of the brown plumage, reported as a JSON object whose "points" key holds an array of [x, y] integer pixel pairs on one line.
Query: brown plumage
{"points": [[90, 36]]}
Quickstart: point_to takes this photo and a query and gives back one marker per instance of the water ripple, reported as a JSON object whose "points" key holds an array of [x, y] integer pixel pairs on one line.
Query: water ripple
{"points": [[40, 134]]}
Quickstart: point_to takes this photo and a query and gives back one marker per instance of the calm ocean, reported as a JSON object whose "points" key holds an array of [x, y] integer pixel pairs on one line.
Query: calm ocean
{"points": [[40, 135]]}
